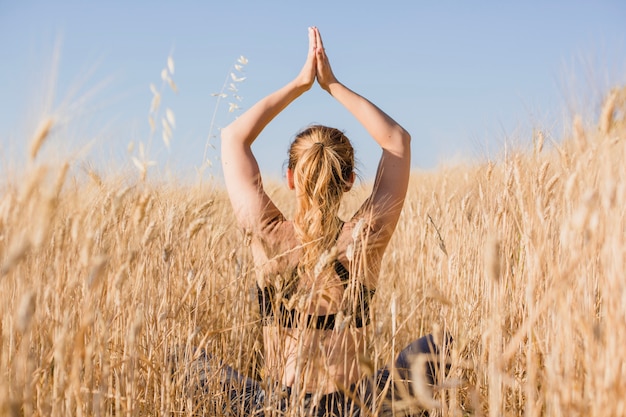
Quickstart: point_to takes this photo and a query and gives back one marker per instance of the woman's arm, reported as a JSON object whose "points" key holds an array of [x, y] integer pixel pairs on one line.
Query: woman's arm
{"points": [[392, 176], [241, 171]]}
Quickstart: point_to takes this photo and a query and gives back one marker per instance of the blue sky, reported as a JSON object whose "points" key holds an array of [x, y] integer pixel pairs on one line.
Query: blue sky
{"points": [[463, 77]]}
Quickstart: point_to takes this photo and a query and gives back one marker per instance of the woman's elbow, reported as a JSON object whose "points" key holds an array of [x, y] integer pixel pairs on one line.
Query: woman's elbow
{"points": [[402, 140], [225, 133], [228, 141], [405, 136]]}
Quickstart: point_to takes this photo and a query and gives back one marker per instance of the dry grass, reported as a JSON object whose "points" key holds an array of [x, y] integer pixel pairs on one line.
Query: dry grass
{"points": [[521, 260]]}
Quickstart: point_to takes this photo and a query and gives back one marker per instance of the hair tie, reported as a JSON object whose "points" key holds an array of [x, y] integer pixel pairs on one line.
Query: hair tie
{"points": [[319, 144]]}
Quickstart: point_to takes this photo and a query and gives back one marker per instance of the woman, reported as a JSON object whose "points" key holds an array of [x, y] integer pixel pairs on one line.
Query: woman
{"points": [[316, 273]]}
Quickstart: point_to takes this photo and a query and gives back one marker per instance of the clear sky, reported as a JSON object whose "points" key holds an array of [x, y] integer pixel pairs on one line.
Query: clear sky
{"points": [[463, 77]]}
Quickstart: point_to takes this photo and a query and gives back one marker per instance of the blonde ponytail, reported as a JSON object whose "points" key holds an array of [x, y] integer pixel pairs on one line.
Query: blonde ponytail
{"points": [[322, 161]]}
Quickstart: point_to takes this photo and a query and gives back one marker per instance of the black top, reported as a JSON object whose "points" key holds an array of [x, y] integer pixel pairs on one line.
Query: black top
{"points": [[291, 318]]}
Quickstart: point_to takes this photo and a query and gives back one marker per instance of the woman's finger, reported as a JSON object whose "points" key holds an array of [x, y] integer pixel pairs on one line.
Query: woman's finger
{"points": [[312, 40], [321, 52], [318, 38]]}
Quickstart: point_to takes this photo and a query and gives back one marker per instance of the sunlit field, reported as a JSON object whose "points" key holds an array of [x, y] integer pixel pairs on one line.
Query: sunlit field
{"points": [[106, 282]]}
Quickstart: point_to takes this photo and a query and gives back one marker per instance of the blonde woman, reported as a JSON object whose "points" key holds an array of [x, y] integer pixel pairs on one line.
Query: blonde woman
{"points": [[316, 273]]}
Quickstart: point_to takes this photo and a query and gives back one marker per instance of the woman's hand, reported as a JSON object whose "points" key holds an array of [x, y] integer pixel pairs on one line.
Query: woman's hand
{"points": [[325, 76], [306, 78]]}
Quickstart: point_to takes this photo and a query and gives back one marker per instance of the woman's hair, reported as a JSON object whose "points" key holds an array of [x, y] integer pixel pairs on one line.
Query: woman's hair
{"points": [[322, 162]]}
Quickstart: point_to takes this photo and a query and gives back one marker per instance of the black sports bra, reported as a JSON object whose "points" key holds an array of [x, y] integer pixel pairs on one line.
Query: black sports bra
{"points": [[291, 318]]}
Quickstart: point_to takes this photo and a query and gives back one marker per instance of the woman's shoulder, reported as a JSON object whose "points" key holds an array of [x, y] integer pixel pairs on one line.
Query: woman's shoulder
{"points": [[363, 232], [275, 236], [274, 247]]}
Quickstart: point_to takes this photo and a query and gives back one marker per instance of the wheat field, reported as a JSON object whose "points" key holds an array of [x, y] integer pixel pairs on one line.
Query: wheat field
{"points": [[520, 259]]}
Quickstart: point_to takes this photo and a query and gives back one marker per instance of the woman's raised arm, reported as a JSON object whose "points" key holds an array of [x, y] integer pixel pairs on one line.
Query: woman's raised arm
{"points": [[392, 176], [241, 172]]}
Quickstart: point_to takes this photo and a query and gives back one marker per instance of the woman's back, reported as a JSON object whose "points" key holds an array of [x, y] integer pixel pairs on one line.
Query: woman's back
{"points": [[314, 327]]}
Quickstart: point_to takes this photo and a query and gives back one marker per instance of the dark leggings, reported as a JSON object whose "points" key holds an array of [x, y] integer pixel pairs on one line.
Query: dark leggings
{"points": [[249, 397]]}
